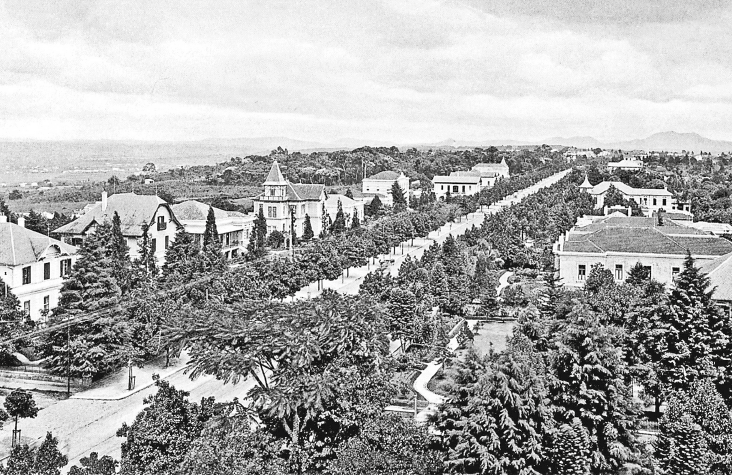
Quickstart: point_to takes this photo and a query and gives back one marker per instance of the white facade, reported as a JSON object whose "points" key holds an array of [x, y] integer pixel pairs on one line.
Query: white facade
{"points": [[626, 164], [456, 186], [381, 183], [234, 228], [33, 267]]}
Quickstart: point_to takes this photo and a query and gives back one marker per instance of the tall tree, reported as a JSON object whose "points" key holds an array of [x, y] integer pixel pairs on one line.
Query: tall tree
{"points": [[211, 257], [397, 195], [20, 405], [211, 233], [180, 258], [339, 224], [119, 253], [307, 231], [146, 262], [355, 222], [375, 207]]}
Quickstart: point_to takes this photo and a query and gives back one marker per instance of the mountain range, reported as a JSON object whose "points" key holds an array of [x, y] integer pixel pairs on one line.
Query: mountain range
{"points": [[662, 141]]}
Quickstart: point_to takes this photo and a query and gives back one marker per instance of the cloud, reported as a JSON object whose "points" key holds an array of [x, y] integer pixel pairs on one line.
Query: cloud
{"points": [[401, 70]]}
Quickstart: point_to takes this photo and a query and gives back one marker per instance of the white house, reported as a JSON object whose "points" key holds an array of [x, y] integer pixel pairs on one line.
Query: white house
{"points": [[134, 211], [282, 201], [348, 205], [499, 170], [456, 185], [33, 266], [650, 200], [626, 164], [619, 242], [381, 183], [234, 228]]}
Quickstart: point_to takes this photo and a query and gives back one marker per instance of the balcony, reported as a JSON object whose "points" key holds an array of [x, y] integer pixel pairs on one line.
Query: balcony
{"points": [[162, 225]]}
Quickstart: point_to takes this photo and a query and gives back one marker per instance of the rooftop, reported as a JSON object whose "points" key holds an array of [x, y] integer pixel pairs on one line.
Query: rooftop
{"points": [[628, 190], [192, 210], [23, 246], [274, 177], [720, 275], [385, 175], [469, 180]]}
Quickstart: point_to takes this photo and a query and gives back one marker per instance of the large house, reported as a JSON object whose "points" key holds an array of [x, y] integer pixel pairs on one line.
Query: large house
{"points": [[33, 266], [381, 183], [650, 200], [234, 228], [470, 182], [283, 202], [626, 164], [134, 211], [618, 242]]}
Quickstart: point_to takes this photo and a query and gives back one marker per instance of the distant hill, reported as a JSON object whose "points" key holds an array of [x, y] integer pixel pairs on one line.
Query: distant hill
{"points": [[662, 141]]}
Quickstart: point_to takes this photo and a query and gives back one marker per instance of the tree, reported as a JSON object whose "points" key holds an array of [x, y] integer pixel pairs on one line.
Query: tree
{"points": [[638, 274], [20, 461], [15, 195], [149, 168], [16, 321], [355, 223], [307, 232], [20, 404], [93, 465], [349, 193], [119, 253], [375, 207], [162, 433], [211, 233], [146, 263], [48, 459], [402, 307], [5, 211], [275, 239], [569, 450], [259, 235], [180, 258], [339, 224], [212, 257], [598, 278], [681, 448], [397, 194]]}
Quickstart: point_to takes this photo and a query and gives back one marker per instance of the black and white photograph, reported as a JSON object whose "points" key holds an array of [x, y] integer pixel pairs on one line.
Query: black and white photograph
{"points": [[365, 237]]}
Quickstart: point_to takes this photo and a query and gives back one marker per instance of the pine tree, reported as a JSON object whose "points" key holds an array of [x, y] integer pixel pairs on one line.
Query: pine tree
{"points": [[210, 234], [307, 232], [181, 258], [49, 460], [569, 452], [36, 222], [93, 465], [638, 275], [339, 224], [324, 222], [211, 256], [349, 193], [397, 195], [146, 263], [119, 252], [681, 448], [10, 311], [355, 223], [375, 206], [551, 294]]}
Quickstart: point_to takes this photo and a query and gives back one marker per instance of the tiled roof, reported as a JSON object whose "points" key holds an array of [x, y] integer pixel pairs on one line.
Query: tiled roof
{"points": [[305, 192], [469, 180], [345, 201], [385, 175], [641, 236], [134, 210], [628, 190], [23, 246], [469, 173], [196, 211], [720, 275], [492, 166]]}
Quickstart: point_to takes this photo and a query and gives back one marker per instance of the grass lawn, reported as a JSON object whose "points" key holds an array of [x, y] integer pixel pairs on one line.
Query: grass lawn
{"points": [[493, 333]]}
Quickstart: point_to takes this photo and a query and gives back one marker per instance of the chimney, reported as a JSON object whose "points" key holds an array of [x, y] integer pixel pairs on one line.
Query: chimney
{"points": [[21, 221], [630, 211], [104, 201], [3, 218]]}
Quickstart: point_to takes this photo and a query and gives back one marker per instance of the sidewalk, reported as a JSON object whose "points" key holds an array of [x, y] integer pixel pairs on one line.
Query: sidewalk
{"points": [[114, 386]]}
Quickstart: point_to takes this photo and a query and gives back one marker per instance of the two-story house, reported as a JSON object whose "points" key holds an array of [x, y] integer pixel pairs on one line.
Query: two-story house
{"points": [[134, 211], [381, 183], [650, 200], [234, 228], [33, 266]]}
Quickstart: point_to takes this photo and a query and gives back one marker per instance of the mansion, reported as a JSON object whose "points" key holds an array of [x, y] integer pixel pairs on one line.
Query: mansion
{"points": [[650, 200], [284, 204]]}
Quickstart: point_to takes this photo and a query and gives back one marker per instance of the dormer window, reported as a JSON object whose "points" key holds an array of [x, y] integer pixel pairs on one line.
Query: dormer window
{"points": [[271, 191]]}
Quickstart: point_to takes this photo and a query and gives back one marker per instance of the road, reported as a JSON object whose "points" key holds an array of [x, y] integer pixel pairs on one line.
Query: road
{"points": [[83, 426]]}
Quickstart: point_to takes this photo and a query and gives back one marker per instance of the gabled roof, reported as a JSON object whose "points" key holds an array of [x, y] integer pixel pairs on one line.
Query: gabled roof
{"points": [[720, 275], [274, 177], [134, 210], [385, 175], [305, 192], [192, 210], [22, 246], [333, 199]]}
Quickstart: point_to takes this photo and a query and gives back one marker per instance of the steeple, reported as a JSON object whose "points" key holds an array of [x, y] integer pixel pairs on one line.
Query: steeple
{"points": [[275, 176], [503, 162], [586, 186]]}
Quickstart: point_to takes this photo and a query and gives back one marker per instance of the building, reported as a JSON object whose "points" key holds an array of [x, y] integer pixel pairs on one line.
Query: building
{"points": [[470, 182], [626, 164], [381, 183], [719, 272], [134, 211], [33, 266], [283, 203], [234, 228], [650, 200], [619, 242], [349, 206]]}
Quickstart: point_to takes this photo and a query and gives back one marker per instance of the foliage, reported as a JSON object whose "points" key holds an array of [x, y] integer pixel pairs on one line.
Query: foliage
{"points": [[93, 465], [20, 404], [307, 233]]}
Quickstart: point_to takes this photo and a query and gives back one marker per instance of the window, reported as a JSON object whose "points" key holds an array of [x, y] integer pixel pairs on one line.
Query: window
{"points": [[463, 188], [26, 275], [647, 271], [664, 201], [65, 267], [618, 272], [271, 211], [167, 241], [154, 245], [581, 272], [228, 239], [26, 307], [654, 201], [442, 187], [302, 210], [261, 209], [46, 303], [271, 192], [674, 272], [162, 225], [46, 271], [454, 188]]}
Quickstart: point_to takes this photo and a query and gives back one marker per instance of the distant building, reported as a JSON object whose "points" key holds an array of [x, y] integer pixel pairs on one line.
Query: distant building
{"points": [[134, 211], [471, 182], [618, 242], [650, 200], [719, 272], [381, 183], [282, 201], [626, 164], [234, 228], [33, 266]]}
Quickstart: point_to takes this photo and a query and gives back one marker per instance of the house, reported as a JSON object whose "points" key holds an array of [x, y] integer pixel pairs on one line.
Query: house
{"points": [[33, 266], [456, 185], [381, 183], [349, 206], [134, 211], [650, 200], [619, 242], [286, 204], [234, 228], [626, 164], [499, 170]]}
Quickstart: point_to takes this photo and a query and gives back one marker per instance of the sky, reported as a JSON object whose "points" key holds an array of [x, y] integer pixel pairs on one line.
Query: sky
{"points": [[407, 71]]}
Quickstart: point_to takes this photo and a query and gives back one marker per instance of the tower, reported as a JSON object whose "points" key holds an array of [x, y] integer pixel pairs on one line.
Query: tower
{"points": [[275, 186]]}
